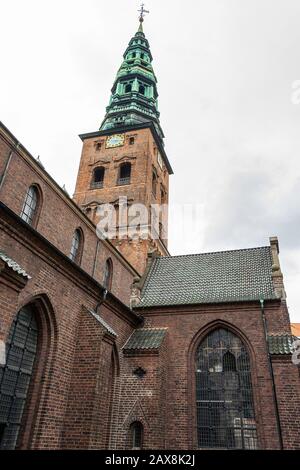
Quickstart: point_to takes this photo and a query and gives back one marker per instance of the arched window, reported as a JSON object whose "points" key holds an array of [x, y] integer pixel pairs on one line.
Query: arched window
{"points": [[31, 206], [98, 177], [224, 399], [124, 173], [108, 272], [136, 435], [76, 246], [15, 375]]}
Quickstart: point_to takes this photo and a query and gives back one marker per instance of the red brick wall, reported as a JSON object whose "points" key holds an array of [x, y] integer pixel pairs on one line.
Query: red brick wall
{"points": [[59, 290], [287, 382], [141, 399], [59, 218], [186, 327], [143, 158]]}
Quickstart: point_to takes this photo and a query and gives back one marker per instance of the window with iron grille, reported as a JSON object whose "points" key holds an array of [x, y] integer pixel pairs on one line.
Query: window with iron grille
{"points": [[98, 177], [30, 205], [124, 174], [16, 374], [136, 430], [75, 251], [224, 398]]}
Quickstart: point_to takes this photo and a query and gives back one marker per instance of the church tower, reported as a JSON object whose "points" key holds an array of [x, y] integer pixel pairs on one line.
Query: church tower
{"points": [[126, 158]]}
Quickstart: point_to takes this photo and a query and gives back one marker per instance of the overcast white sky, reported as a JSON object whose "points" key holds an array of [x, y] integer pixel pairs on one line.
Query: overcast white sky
{"points": [[225, 70]]}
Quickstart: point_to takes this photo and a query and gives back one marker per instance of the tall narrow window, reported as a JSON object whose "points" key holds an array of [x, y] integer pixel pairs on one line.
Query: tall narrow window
{"points": [[30, 206], [154, 182], [124, 173], [142, 89], [15, 375], [128, 88], [76, 247], [224, 399], [108, 272], [136, 434], [131, 140], [163, 196], [98, 178]]}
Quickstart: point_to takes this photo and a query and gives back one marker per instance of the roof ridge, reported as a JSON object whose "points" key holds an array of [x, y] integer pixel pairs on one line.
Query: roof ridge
{"points": [[213, 252]]}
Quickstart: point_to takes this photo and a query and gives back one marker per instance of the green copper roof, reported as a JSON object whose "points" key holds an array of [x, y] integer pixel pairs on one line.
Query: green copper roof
{"points": [[145, 339], [226, 276], [281, 344], [134, 92]]}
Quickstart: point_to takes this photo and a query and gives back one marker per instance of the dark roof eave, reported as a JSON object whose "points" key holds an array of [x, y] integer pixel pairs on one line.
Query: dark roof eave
{"points": [[195, 304]]}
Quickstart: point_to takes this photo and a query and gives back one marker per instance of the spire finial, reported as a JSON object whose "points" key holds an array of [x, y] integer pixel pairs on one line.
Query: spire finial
{"points": [[142, 12]]}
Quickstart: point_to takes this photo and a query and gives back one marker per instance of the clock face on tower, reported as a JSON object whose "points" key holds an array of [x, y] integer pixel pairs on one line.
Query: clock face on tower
{"points": [[115, 140]]}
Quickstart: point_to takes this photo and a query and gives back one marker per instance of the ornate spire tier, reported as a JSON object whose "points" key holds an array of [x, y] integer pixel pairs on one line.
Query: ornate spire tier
{"points": [[134, 92]]}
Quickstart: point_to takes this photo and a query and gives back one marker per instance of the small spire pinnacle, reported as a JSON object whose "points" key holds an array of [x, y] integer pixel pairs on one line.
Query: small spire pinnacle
{"points": [[142, 12]]}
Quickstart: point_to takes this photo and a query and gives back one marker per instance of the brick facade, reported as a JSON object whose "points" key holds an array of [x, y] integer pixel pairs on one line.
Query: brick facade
{"points": [[142, 154], [85, 392]]}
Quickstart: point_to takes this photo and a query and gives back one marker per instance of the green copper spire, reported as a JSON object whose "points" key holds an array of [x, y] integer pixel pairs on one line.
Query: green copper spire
{"points": [[134, 92]]}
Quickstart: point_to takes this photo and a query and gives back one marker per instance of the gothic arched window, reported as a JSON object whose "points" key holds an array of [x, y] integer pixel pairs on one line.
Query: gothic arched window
{"points": [[108, 272], [76, 246], [124, 173], [15, 375], [224, 399], [98, 177], [136, 435], [30, 206]]}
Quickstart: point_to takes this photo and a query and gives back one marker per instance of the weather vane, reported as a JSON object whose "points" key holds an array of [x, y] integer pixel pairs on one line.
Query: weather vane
{"points": [[142, 12]]}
